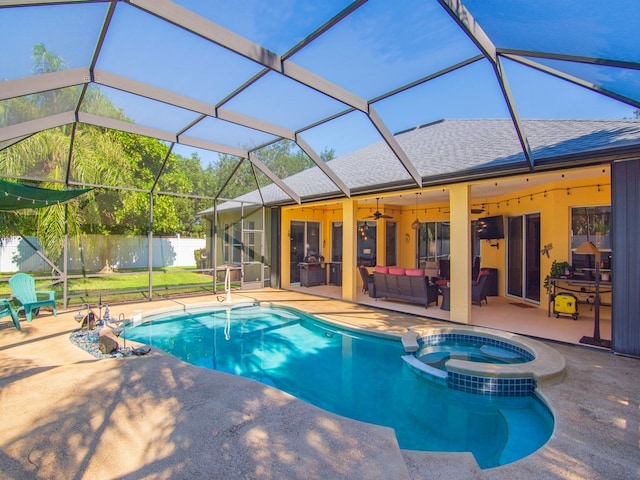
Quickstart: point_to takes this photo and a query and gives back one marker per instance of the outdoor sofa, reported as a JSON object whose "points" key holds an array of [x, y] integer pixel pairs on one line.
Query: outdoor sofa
{"points": [[411, 285]]}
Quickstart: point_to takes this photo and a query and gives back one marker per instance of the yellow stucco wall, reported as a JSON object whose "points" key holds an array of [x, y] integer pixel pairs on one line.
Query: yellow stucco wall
{"points": [[552, 201]]}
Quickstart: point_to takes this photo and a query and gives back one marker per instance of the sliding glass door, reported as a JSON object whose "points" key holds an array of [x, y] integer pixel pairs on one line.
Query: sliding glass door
{"points": [[523, 257], [305, 241]]}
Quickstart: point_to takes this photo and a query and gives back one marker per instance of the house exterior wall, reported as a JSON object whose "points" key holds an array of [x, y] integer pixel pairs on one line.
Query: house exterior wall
{"points": [[553, 201]]}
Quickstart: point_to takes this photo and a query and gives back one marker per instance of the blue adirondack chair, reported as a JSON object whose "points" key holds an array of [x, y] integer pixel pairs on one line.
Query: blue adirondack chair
{"points": [[23, 287], [6, 309]]}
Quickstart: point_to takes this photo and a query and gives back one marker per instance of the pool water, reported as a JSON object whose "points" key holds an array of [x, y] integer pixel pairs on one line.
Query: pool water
{"points": [[358, 376], [471, 351]]}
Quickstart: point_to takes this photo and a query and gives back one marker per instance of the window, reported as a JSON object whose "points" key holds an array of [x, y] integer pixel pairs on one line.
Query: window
{"points": [[336, 241], [232, 244], [433, 242], [592, 224], [391, 245], [366, 244]]}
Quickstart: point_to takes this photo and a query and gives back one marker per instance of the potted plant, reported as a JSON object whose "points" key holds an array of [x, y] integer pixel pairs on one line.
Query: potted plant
{"points": [[558, 270]]}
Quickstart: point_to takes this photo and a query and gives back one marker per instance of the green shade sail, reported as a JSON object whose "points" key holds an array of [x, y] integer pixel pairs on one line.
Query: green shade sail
{"points": [[16, 196]]}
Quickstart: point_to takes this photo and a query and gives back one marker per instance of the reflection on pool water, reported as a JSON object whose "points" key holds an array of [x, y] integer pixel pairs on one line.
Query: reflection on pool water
{"points": [[358, 376]]}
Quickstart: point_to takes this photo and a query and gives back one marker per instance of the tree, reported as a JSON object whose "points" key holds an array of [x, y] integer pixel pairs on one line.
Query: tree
{"points": [[128, 165]]}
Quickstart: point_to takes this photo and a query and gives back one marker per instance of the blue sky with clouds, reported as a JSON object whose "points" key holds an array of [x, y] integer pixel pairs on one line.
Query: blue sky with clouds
{"points": [[381, 46]]}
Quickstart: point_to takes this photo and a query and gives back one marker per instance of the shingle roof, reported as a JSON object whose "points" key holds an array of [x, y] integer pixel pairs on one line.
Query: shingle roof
{"points": [[447, 148]]}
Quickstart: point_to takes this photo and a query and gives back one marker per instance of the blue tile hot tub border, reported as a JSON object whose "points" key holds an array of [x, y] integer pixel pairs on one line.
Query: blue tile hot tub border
{"points": [[503, 387], [493, 386]]}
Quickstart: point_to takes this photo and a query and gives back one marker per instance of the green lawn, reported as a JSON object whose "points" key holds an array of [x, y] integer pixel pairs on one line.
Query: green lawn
{"points": [[122, 287]]}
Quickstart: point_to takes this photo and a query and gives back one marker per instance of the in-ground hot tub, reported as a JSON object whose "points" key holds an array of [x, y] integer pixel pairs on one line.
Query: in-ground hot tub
{"points": [[482, 361]]}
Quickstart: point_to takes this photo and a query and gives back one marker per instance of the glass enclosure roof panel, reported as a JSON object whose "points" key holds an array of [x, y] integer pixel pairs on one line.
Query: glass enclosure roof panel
{"points": [[72, 40], [550, 139], [590, 28], [449, 96], [284, 102], [227, 133], [140, 110], [278, 25], [343, 134], [451, 146], [129, 171], [147, 49], [539, 95], [622, 81], [207, 158], [284, 158], [374, 165], [384, 45], [240, 180], [186, 176], [43, 156], [377, 48], [38, 105]]}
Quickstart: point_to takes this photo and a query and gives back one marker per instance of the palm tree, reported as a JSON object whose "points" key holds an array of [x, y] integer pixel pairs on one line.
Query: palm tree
{"points": [[96, 158]]}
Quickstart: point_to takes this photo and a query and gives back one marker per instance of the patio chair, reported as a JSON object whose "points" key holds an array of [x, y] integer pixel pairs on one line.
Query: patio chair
{"points": [[479, 288], [23, 287], [367, 278], [432, 271], [6, 309]]}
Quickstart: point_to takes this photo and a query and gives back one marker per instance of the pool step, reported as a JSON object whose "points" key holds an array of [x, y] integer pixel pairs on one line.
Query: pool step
{"points": [[498, 353], [424, 368], [519, 425], [410, 342]]}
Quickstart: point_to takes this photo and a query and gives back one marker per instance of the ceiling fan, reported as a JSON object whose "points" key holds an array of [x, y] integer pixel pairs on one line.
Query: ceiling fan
{"points": [[377, 215]]}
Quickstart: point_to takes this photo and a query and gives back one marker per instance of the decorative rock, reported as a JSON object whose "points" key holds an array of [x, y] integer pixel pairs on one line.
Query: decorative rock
{"points": [[89, 341], [107, 345]]}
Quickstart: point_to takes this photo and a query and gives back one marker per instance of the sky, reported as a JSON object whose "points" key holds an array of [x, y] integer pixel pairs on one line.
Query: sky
{"points": [[381, 46]]}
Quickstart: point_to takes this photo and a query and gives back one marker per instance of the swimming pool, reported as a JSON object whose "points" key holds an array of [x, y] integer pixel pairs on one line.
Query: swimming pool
{"points": [[358, 376]]}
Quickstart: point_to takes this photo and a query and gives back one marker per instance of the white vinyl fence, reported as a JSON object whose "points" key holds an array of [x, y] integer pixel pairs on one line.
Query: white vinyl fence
{"points": [[94, 252]]}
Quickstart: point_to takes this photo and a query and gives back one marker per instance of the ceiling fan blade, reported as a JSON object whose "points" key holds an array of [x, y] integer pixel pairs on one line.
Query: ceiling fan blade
{"points": [[377, 215]]}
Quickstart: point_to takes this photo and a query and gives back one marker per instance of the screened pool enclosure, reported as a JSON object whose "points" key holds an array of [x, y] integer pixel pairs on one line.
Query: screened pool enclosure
{"points": [[192, 123]]}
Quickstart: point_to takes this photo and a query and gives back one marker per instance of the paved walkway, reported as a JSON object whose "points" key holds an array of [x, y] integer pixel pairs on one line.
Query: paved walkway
{"points": [[67, 415]]}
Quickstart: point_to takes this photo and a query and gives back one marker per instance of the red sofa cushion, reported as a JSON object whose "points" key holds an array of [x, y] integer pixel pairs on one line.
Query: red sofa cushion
{"points": [[396, 271], [415, 272], [380, 269]]}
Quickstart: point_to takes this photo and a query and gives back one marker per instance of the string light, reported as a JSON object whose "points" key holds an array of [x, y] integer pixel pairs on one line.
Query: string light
{"points": [[34, 201], [505, 202], [568, 191]]}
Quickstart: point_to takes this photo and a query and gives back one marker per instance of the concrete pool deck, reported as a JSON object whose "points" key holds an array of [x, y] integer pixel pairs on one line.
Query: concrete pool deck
{"points": [[68, 415]]}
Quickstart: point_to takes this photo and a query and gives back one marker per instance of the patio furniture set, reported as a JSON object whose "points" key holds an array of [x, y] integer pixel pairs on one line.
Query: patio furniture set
{"points": [[418, 286]]}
